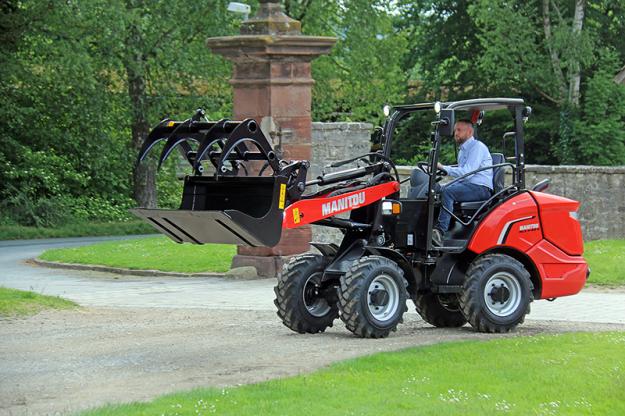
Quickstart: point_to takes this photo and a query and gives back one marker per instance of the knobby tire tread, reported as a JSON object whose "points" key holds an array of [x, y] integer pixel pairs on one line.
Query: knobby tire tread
{"points": [[470, 298], [289, 293], [350, 297]]}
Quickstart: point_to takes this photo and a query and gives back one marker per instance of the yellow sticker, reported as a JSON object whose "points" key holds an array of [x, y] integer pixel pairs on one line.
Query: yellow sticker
{"points": [[171, 124], [282, 196], [296, 215]]}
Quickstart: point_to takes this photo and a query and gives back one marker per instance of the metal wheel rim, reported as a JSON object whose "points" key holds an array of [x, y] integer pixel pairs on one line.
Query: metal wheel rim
{"points": [[386, 312], [510, 305], [317, 307]]}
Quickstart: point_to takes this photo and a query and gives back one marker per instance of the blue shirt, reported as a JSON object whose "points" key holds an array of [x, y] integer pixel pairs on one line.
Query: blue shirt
{"points": [[473, 155]]}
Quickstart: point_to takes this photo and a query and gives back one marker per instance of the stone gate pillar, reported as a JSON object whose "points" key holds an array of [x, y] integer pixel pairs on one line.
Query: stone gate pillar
{"points": [[272, 78]]}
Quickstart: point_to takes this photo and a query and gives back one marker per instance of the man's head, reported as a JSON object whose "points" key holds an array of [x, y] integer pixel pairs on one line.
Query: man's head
{"points": [[463, 130]]}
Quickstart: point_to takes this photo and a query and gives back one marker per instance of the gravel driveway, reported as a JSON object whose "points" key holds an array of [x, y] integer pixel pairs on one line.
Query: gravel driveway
{"points": [[63, 361], [58, 362]]}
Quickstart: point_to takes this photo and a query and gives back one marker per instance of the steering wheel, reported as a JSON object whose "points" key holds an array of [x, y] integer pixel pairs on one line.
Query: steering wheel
{"points": [[439, 172]]}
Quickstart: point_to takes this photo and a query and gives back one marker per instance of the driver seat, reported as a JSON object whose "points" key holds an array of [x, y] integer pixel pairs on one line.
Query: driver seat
{"points": [[469, 208]]}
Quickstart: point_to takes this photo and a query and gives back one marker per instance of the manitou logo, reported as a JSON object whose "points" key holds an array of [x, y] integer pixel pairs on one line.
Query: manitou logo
{"points": [[348, 202], [528, 227]]}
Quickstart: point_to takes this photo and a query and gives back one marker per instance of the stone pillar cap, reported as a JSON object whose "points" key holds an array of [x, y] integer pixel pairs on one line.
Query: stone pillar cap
{"points": [[260, 47]]}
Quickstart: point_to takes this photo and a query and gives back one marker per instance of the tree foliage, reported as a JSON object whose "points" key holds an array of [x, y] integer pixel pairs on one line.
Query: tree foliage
{"points": [[83, 81], [546, 51]]}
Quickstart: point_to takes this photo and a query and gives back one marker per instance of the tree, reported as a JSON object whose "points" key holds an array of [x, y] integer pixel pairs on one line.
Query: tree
{"points": [[443, 48], [82, 84], [157, 48], [600, 136], [55, 118], [542, 45], [363, 72]]}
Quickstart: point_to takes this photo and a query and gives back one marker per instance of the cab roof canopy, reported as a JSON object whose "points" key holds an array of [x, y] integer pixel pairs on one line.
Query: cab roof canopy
{"points": [[479, 104]]}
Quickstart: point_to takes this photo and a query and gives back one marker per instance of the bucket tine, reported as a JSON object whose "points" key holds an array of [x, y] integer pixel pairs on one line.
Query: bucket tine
{"points": [[212, 136], [156, 135], [172, 141], [248, 131], [181, 136], [175, 138]]}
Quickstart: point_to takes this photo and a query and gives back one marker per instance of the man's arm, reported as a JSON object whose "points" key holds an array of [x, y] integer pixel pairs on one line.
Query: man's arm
{"points": [[473, 162]]}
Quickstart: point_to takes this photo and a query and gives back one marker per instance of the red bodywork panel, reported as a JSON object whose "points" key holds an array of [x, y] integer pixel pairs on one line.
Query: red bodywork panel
{"points": [[539, 225], [515, 223], [306, 211], [559, 227]]}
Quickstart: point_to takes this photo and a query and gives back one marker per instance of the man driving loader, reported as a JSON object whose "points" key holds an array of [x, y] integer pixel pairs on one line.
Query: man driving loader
{"points": [[473, 155]]}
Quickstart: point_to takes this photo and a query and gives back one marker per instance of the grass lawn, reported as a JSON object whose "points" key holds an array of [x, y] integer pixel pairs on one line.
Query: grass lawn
{"points": [[153, 253], [541, 375], [607, 262], [22, 303], [606, 257], [15, 232]]}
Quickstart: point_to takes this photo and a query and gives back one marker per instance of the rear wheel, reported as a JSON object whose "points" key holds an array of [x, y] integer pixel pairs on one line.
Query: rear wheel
{"points": [[442, 311], [497, 293], [304, 303], [372, 297]]}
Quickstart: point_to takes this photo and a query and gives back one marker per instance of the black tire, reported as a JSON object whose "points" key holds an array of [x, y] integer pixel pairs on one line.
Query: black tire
{"points": [[301, 306], [442, 311], [508, 300], [363, 315]]}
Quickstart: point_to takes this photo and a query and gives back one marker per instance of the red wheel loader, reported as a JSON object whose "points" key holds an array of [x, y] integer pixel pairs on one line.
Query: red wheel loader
{"points": [[498, 256]]}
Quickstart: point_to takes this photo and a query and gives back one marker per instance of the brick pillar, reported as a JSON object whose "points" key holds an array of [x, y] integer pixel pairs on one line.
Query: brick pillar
{"points": [[272, 78]]}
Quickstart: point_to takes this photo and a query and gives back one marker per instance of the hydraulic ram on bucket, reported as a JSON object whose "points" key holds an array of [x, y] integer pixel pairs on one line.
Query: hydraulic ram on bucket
{"points": [[234, 205]]}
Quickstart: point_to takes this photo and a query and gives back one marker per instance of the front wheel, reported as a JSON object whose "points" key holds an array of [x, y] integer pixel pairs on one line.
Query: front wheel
{"points": [[372, 297], [496, 294], [305, 304]]}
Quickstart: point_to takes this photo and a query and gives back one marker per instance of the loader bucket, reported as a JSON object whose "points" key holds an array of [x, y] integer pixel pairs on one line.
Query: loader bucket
{"points": [[229, 206], [231, 210]]}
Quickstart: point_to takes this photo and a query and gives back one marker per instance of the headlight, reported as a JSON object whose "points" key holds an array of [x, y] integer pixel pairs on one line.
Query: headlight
{"points": [[391, 208]]}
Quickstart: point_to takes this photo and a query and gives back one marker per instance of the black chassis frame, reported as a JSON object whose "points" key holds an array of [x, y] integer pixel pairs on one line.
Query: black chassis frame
{"points": [[366, 226]]}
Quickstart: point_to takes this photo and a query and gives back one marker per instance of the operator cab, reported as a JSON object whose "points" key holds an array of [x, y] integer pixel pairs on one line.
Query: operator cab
{"points": [[422, 201]]}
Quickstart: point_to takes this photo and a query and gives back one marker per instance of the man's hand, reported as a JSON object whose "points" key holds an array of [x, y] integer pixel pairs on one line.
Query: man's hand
{"points": [[440, 166]]}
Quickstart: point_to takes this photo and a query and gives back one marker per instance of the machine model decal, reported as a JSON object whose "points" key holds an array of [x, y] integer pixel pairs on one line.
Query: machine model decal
{"points": [[307, 211], [528, 227], [349, 202]]}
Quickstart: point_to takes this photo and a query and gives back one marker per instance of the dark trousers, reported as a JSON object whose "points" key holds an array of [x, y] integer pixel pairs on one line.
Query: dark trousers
{"points": [[459, 192]]}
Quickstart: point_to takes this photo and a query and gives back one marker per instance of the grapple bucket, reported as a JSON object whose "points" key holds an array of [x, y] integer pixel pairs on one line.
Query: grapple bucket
{"points": [[235, 210], [229, 206]]}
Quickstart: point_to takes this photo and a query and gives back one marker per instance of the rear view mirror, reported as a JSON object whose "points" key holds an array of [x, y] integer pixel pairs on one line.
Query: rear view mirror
{"points": [[446, 123]]}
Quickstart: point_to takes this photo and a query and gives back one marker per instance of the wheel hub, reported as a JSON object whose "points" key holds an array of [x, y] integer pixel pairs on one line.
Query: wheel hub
{"points": [[499, 293], [383, 298], [313, 298], [502, 294], [379, 297]]}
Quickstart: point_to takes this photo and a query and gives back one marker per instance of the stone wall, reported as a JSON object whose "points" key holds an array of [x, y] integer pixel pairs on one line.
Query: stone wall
{"points": [[601, 190], [333, 142]]}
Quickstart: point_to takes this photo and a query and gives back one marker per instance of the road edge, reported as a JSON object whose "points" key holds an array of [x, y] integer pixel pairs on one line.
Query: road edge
{"points": [[119, 270]]}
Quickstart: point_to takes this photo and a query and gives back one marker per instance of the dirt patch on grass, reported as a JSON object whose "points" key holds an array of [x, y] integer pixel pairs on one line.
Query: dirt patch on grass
{"points": [[604, 289], [64, 361]]}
